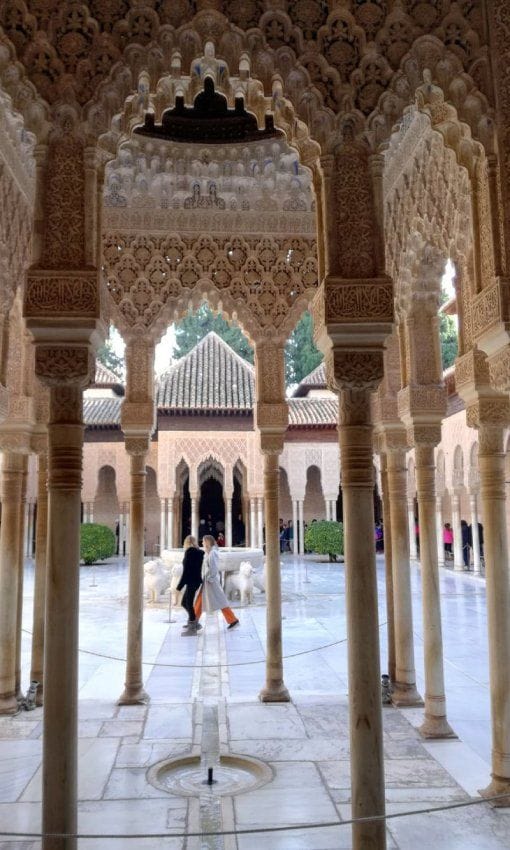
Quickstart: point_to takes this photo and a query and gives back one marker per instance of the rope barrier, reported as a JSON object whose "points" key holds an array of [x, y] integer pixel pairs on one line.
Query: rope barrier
{"points": [[262, 829], [209, 666]]}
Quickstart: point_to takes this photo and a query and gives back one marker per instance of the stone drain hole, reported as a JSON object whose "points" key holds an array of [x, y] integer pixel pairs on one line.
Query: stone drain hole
{"points": [[186, 777]]}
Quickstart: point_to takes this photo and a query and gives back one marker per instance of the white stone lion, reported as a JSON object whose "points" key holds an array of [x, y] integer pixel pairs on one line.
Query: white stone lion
{"points": [[176, 575], [241, 583], [156, 579]]}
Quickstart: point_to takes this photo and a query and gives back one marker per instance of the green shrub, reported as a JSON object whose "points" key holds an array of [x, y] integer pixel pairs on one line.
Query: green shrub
{"points": [[325, 538], [97, 542]]}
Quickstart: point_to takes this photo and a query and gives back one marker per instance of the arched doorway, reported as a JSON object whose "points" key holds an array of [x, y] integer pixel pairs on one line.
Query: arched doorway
{"points": [[314, 507], [106, 503], [239, 506], [211, 504], [183, 506]]}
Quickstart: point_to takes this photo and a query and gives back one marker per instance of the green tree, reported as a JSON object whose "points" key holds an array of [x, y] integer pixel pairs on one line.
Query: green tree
{"points": [[301, 355], [97, 542], [195, 326], [325, 538], [448, 336], [107, 356]]}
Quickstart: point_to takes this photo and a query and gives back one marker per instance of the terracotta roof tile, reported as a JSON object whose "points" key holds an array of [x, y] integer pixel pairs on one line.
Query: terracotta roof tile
{"points": [[105, 376], [306, 412], [102, 412]]}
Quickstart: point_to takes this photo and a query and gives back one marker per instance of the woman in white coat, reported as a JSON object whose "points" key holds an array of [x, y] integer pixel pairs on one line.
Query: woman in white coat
{"points": [[211, 597]]}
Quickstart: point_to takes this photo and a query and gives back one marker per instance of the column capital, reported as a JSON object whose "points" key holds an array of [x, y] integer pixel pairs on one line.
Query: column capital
{"points": [[64, 365], [138, 445]]}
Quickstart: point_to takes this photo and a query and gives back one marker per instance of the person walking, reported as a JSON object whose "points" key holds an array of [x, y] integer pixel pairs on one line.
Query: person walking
{"points": [[447, 540], [466, 542], [191, 580], [211, 597]]}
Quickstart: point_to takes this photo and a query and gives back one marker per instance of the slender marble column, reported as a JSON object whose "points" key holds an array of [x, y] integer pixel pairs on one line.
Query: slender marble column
{"points": [[162, 526], [295, 541], [404, 688], [91, 512], [41, 542], [458, 560], [122, 531], [365, 710], [274, 689], [253, 524], [169, 540], [260, 522], [435, 724], [194, 515], [301, 526], [20, 569], [439, 531], [60, 730], [12, 478], [228, 521], [497, 584], [127, 524], [134, 692], [390, 591], [413, 549], [475, 536]]}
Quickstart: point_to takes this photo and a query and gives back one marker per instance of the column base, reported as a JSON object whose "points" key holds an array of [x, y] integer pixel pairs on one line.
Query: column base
{"points": [[406, 696], [134, 696], [274, 693], [8, 705], [496, 787], [436, 727]]}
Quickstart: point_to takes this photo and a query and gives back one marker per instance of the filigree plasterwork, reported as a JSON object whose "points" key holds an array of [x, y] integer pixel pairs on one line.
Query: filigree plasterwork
{"points": [[355, 370], [265, 281], [17, 148], [491, 307]]}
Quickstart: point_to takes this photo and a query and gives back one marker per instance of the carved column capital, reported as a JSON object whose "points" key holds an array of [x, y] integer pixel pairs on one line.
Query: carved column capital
{"points": [[64, 365], [271, 409], [354, 369], [137, 446]]}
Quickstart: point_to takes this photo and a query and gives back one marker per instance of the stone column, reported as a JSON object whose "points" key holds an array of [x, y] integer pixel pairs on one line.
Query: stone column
{"points": [[497, 583], [60, 733], [228, 520], [473, 504], [162, 526], [169, 540], [413, 549], [439, 531], [274, 689], [388, 568], [301, 521], [20, 569], [458, 560], [253, 524], [121, 531], [126, 530], [12, 483], [134, 692], [435, 724], [91, 512], [367, 773], [41, 543], [404, 687], [271, 418], [295, 541], [195, 501], [260, 522]]}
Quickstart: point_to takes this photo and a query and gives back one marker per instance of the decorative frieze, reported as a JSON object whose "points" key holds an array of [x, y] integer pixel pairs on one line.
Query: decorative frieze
{"points": [[354, 369], [65, 294], [56, 365], [491, 307], [358, 300]]}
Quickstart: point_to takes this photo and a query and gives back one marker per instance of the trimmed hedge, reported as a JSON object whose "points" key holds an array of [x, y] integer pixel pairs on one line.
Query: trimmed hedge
{"points": [[97, 542], [325, 538]]}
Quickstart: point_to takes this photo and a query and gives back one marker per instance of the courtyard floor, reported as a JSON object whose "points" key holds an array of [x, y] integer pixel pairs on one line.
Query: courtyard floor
{"points": [[204, 702]]}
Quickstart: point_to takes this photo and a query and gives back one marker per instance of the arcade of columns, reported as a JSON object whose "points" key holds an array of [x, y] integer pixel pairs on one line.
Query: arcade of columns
{"points": [[404, 143]]}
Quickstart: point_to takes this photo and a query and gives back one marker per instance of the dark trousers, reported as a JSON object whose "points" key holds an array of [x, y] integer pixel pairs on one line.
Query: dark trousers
{"points": [[188, 598]]}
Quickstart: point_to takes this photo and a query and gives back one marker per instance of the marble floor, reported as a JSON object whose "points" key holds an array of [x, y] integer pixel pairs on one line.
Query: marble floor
{"points": [[204, 703]]}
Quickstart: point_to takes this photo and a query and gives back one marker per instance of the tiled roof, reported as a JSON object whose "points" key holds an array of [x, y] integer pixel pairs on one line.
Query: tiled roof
{"points": [[101, 412], [306, 412], [105, 376], [211, 377], [314, 380]]}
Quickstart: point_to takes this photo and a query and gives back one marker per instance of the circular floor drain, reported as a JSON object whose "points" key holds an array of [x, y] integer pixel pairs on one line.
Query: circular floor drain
{"points": [[186, 776]]}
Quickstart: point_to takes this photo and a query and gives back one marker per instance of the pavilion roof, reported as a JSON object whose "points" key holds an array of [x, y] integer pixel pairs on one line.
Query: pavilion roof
{"points": [[316, 379], [211, 377]]}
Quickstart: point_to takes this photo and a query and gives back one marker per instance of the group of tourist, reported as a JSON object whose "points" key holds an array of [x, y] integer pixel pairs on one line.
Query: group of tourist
{"points": [[201, 584], [467, 541], [286, 536]]}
